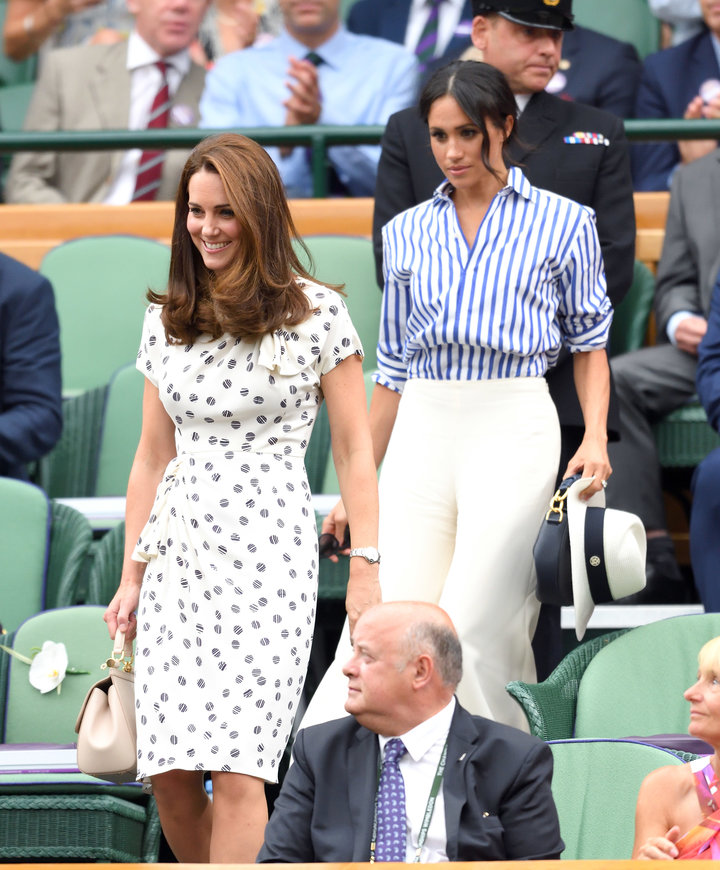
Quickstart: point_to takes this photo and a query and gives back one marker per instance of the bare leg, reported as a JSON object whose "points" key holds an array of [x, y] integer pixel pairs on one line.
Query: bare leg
{"points": [[186, 814], [239, 818]]}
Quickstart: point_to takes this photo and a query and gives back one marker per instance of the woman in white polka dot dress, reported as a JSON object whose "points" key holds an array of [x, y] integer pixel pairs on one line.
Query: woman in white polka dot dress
{"points": [[221, 546]]}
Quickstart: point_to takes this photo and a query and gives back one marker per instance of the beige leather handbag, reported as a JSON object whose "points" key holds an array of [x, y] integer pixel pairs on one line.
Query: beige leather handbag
{"points": [[107, 737]]}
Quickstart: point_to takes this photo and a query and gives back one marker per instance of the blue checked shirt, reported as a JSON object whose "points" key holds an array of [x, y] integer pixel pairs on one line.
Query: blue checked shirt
{"points": [[533, 279]]}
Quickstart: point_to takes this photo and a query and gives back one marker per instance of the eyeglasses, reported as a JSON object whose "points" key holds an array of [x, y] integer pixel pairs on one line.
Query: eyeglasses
{"points": [[328, 544]]}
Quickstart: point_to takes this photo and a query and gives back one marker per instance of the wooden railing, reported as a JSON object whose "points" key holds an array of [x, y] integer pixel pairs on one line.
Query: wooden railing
{"points": [[27, 232]]}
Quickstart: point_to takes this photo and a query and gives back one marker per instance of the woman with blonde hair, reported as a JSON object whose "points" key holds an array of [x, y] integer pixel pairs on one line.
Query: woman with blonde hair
{"points": [[678, 807]]}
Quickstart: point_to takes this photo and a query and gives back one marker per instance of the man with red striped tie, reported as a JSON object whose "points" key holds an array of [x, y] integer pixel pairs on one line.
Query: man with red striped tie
{"points": [[146, 81]]}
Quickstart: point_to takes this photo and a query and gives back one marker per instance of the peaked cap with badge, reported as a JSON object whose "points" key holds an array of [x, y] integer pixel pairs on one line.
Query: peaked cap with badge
{"points": [[551, 14]]}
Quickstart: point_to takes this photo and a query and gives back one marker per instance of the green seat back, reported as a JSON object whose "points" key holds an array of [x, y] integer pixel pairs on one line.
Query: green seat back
{"points": [[24, 550], [122, 422], [634, 686], [630, 319], [14, 101], [70, 542], [100, 284], [349, 260], [31, 717], [106, 567], [345, 8], [595, 785], [12, 72], [628, 20]]}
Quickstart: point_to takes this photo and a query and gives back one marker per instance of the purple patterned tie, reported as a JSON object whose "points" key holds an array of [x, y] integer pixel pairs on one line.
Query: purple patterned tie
{"points": [[425, 49], [391, 825]]}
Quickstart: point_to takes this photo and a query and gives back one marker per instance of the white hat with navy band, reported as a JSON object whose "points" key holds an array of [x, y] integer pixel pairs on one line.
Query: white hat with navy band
{"points": [[607, 552]]}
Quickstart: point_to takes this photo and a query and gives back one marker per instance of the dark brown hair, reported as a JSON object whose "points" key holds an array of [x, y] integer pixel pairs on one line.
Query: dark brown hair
{"points": [[259, 291], [482, 92]]}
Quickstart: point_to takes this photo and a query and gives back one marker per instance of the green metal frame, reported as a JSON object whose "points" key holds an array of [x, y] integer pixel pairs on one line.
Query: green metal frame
{"points": [[318, 138]]}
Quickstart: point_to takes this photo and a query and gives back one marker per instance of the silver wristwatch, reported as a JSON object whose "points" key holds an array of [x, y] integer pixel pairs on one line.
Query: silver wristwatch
{"points": [[370, 554]]}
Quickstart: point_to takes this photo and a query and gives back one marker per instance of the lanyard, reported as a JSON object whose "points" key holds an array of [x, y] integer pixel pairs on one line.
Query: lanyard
{"points": [[429, 808]]}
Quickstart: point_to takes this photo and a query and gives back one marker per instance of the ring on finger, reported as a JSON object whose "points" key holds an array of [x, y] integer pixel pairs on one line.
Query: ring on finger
{"points": [[604, 484]]}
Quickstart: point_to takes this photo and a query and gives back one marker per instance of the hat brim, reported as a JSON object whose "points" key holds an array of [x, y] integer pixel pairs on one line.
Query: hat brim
{"points": [[622, 551], [529, 20], [576, 508]]}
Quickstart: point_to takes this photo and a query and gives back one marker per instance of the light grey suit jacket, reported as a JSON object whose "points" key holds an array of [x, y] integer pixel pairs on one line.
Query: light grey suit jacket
{"points": [[88, 88], [690, 259]]}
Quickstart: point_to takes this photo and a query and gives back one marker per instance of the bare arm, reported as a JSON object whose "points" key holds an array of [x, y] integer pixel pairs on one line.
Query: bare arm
{"points": [[655, 831], [155, 449], [592, 382], [28, 23], [383, 410], [352, 447]]}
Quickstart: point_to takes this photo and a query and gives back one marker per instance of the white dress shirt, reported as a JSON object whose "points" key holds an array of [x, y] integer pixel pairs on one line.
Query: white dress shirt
{"points": [[145, 82], [418, 766]]}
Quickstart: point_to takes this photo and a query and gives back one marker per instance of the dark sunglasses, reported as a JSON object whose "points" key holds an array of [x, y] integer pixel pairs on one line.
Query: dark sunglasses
{"points": [[328, 544]]}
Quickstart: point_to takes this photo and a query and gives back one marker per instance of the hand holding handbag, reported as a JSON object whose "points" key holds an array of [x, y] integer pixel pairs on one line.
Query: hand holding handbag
{"points": [[107, 737]]}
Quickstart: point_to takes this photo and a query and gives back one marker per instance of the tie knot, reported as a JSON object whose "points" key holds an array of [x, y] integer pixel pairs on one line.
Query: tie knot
{"points": [[162, 66], [314, 58], [394, 750]]}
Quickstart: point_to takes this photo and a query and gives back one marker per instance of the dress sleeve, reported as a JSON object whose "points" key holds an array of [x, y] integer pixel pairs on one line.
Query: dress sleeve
{"points": [[585, 312], [151, 343], [341, 339]]}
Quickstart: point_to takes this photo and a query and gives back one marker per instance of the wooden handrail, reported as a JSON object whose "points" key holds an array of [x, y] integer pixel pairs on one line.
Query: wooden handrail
{"points": [[27, 232]]}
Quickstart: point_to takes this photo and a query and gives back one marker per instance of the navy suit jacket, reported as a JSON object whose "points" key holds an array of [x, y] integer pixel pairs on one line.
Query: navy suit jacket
{"points": [[708, 367], [599, 71], [30, 383], [594, 175], [388, 19], [498, 801], [670, 79]]}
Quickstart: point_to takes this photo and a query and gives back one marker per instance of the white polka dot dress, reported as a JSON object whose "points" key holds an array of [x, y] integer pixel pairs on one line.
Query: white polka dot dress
{"points": [[227, 607]]}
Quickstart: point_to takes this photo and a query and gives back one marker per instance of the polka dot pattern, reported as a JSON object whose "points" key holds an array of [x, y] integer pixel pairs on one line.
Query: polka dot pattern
{"points": [[227, 607]]}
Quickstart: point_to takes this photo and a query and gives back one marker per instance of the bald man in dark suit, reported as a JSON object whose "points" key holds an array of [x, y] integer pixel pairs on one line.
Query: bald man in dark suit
{"points": [[494, 800]]}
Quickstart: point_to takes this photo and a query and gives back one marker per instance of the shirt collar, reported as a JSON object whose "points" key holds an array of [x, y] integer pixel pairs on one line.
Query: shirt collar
{"points": [[140, 54], [521, 101], [422, 737], [332, 51], [516, 182]]}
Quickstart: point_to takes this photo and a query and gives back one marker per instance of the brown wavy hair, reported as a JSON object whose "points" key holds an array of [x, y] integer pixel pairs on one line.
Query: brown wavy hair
{"points": [[259, 291]]}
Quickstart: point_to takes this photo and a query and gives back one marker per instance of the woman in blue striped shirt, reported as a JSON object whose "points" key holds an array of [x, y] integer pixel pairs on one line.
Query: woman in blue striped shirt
{"points": [[483, 283]]}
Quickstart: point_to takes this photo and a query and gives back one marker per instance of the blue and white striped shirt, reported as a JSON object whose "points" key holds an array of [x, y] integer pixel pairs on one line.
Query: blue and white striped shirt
{"points": [[501, 308]]}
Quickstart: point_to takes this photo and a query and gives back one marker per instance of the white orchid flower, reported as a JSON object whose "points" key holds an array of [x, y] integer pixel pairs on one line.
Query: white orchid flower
{"points": [[48, 667]]}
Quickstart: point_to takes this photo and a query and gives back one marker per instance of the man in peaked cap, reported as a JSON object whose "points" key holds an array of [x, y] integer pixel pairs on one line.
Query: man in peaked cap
{"points": [[571, 149]]}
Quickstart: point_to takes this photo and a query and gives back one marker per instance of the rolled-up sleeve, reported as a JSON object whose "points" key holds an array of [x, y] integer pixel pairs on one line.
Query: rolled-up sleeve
{"points": [[585, 312], [392, 365]]}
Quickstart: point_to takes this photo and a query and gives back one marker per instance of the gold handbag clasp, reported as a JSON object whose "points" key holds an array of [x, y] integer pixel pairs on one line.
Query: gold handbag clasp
{"points": [[557, 506], [122, 655]]}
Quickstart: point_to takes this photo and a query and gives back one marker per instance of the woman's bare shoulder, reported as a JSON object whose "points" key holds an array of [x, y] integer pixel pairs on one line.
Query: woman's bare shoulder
{"points": [[669, 784]]}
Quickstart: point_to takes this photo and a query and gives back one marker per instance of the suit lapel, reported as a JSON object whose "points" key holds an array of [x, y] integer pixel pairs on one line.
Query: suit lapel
{"points": [[188, 97], [715, 221], [394, 20], [110, 93], [704, 61], [110, 88], [461, 744], [362, 785], [537, 124]]}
